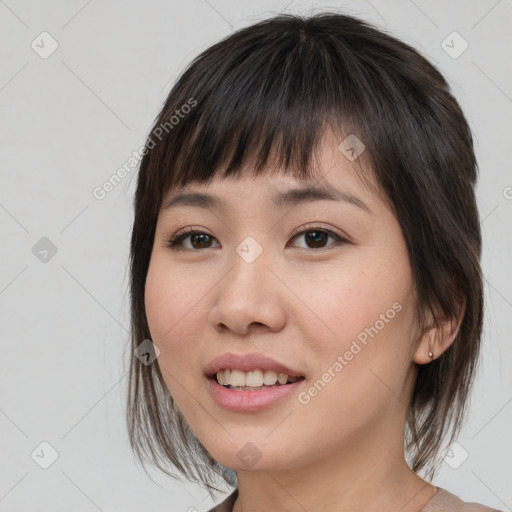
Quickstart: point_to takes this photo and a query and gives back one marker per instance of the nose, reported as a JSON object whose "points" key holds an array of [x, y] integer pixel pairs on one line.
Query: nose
{"points": [[250, 297]]}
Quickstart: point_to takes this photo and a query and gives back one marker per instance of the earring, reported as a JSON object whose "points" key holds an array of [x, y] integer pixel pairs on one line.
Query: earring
{"points": [[430, 354]]}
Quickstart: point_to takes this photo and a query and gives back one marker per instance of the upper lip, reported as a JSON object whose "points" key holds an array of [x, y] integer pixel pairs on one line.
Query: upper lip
{"points": [[246, 363]]}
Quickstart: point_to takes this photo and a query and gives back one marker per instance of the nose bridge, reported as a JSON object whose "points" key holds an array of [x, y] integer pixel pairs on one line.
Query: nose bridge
{"points": [[250, 265], [249, 292], [248, 278]]}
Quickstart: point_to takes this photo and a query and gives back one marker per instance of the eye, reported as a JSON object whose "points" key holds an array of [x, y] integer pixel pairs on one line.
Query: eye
{"points": [[315, 238], [198, 239]]}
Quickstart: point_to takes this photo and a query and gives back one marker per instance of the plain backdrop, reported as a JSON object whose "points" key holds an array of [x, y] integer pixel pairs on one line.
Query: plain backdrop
{"points": [[80, 85]]}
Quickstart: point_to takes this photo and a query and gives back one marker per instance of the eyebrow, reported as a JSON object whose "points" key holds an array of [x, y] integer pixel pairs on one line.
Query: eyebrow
{"points": [[287, 198]]}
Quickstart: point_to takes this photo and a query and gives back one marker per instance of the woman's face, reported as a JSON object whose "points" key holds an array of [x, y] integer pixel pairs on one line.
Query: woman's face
{"points": [[320, 286]]}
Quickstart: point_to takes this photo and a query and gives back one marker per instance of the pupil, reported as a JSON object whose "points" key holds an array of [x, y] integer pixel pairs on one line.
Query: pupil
{"points": [[196, 236], [315, 239]]}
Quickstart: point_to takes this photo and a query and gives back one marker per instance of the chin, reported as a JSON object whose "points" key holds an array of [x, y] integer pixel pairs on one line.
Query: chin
{"points": [[249, 455]]}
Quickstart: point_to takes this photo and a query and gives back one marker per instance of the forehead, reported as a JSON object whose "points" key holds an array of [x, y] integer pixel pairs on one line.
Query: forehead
{"points": [[331, 166], [334, 179]]}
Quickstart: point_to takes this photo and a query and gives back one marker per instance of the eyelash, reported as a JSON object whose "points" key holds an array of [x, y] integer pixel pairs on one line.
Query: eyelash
{"points": [[175, 241]]}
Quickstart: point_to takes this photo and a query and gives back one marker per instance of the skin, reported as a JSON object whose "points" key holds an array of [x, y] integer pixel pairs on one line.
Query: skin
{"points": [[302, 306]]}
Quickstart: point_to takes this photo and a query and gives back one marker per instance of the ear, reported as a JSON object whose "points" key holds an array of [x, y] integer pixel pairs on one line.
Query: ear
{"points": [[438, 336]]}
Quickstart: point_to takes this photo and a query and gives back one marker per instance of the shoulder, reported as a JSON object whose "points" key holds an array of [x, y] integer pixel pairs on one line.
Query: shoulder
{"points": [[444, 501], [227, 504]]}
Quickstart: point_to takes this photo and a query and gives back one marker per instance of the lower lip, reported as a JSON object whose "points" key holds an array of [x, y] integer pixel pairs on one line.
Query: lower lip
{"points": [[247, 401]]}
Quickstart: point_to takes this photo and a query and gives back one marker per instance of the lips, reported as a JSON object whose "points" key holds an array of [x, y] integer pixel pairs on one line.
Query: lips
{"points": [[247, 363]]}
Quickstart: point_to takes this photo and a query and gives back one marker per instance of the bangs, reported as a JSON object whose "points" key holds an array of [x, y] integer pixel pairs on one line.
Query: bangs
{"points": [[268, 103]]}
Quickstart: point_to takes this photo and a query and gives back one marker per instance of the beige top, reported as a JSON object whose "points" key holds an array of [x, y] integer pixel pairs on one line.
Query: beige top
{"points": [[442, 501]]}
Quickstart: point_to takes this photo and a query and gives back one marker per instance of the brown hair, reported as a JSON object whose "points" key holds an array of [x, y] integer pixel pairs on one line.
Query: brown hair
{"points": [[266, 94]]}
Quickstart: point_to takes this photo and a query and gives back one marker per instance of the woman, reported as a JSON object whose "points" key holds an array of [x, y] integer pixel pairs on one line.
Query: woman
{"points": [[306, 287]]}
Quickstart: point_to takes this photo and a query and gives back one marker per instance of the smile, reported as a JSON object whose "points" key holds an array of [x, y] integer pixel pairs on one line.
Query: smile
{"points": [[252, 380], [248, 398]]}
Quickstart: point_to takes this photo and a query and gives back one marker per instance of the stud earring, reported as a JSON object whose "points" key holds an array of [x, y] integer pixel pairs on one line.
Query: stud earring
{"points": [[431, 354]]}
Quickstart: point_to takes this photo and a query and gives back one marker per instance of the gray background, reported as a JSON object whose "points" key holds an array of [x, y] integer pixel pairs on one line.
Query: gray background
{"points": [[70, 120]]}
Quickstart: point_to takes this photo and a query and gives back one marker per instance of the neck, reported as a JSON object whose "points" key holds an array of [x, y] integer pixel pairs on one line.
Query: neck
{"points": [[363, 475]]}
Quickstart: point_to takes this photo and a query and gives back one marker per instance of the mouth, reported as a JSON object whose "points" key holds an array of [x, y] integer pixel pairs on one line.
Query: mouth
{"points": [[252, 380]]}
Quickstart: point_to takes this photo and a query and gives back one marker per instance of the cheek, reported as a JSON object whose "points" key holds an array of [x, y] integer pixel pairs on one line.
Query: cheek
{"points": [[169, 308], [344, 300], [176, 310], [170, 300], [362, 313], [371, 316]]}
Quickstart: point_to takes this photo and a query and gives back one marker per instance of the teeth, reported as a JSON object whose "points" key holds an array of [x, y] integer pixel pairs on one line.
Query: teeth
{"points": [[253, 378], [269, 378], [237, 378]]}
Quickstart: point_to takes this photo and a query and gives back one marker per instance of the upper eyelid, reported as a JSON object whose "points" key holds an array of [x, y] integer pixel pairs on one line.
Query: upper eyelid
{"points": [[182, 235], [313, 226], [308, 227]]}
